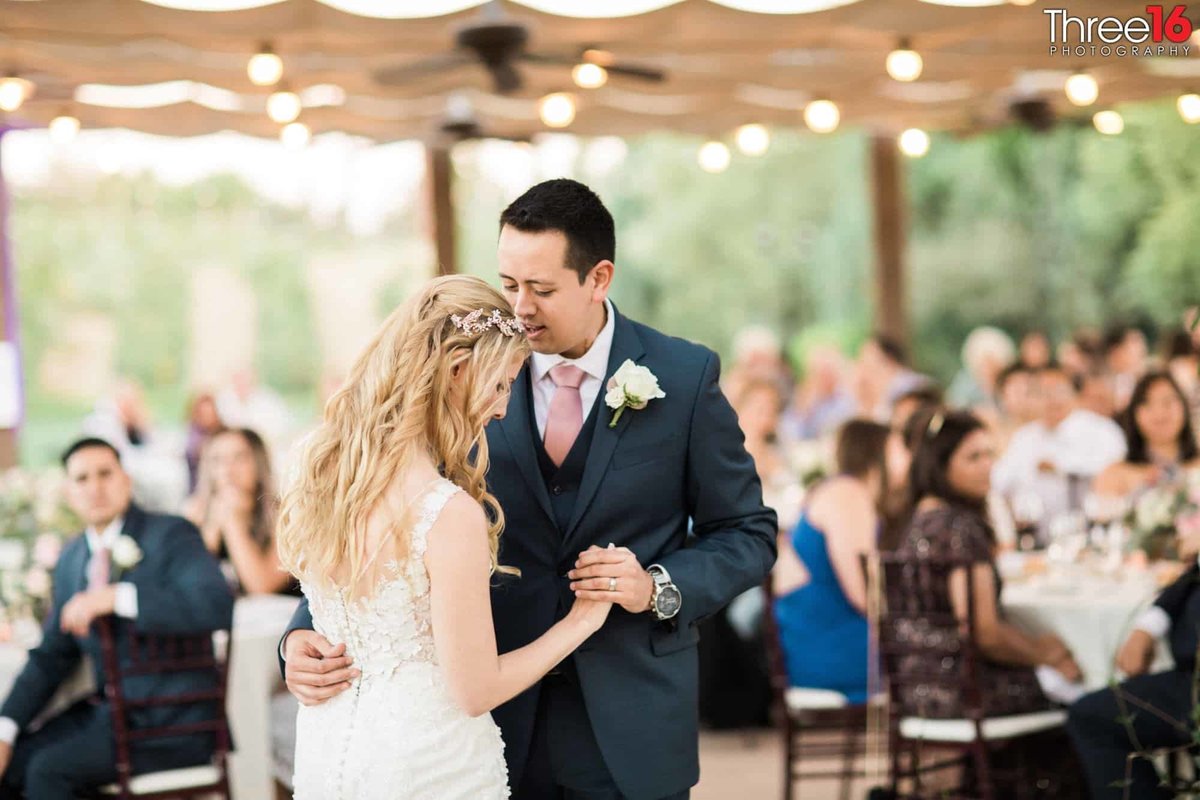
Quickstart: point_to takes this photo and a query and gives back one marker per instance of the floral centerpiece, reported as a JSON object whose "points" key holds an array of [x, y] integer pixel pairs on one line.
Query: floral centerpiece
{"points": [[1163, 514], [34, 523]]}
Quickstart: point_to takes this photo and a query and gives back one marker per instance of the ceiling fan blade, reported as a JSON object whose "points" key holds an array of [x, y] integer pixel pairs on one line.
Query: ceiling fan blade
{"points": [[414, 70], [634, 71], [547, 58]]}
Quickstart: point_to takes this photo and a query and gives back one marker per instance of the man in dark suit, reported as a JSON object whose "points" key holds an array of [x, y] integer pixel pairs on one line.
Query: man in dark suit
{"points": [[1161, 705], [151, 572], [598, 501]]}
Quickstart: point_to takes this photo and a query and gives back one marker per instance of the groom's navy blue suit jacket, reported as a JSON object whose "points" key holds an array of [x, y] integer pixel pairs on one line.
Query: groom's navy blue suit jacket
{"points": [[679, 460]]}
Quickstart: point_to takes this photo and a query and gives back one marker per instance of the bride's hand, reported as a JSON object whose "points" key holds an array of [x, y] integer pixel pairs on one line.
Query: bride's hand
{"points": [[590, 613]]}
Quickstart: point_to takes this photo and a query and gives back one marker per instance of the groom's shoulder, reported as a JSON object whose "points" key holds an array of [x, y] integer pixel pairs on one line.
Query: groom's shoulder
{"points": [[683, 353]]}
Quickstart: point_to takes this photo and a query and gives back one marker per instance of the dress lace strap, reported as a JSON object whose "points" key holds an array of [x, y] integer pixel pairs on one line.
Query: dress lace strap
{"points": [[423, 498], [431, 508]]}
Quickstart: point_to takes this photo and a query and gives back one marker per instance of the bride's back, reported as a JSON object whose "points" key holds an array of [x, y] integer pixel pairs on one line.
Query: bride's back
{"points": [[383, 614]]}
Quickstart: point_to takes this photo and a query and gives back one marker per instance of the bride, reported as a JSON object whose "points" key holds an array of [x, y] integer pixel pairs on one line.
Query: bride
{"points": [[391, 530]]}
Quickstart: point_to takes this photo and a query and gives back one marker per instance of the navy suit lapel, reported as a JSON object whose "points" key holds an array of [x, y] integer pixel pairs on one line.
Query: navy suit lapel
{"points": [[515, 427], [626, 345]]}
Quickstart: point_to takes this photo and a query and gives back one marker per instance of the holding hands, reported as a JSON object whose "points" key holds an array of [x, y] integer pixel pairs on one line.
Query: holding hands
{"points": [[612, 575]]}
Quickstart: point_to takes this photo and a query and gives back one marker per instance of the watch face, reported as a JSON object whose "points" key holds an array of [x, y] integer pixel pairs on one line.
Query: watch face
{"points": [[669, 601]]}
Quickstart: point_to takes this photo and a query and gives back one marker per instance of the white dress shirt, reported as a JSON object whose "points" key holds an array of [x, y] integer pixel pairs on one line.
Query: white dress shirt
{"points": [[1083, 444], [125, 605], [594, 364]]}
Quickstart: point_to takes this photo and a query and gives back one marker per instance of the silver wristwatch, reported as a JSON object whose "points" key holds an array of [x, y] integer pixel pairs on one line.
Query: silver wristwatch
{"points": [[666, 600]]}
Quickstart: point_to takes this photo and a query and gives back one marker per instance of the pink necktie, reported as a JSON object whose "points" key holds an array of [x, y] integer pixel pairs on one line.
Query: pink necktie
{"points": [[566, 412], [97, 572]]}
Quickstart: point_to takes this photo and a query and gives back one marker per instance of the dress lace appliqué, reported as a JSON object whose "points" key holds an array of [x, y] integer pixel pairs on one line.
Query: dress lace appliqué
{"points": [[396, 734]]}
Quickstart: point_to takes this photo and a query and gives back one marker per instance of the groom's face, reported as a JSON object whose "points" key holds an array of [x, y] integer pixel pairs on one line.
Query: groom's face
{"points": [[560, 314]]}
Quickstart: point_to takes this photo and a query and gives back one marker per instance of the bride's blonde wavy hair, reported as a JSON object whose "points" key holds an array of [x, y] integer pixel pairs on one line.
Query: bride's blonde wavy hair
{"points": [[395, 404]]}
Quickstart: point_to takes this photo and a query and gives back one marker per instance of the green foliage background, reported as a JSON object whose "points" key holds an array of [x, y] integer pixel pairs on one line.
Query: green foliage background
{"points": [[1012, 228]]}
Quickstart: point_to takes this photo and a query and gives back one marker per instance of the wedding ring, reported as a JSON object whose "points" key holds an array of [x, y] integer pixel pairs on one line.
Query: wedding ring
{"points": [[612, 584]]}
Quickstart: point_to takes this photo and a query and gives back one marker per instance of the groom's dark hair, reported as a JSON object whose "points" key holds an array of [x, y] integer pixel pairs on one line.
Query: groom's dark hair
{"points": [[568, 206]]}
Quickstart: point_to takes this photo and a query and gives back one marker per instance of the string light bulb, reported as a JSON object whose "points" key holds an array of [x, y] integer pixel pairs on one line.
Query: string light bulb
{"points": [[295, 135], [1110, 123], [14, 92], [822, 116], [713, 157], [283, 106], [265, 68], [905, 64], [589, 76], [753, 139], [64, 128], [557, 110], [1082, 89], [1189, 107], [914, 143]]}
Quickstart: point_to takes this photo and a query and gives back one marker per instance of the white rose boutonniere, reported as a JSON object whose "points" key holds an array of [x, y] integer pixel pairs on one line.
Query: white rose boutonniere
{"points": [[125, 553], [633, 387]]}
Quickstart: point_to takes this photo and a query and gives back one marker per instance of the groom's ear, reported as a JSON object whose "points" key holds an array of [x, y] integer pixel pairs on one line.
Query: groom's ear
{"points": [[601, 278]]}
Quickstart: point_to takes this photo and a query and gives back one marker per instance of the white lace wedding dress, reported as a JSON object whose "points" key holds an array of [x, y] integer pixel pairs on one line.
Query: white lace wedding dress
{"points": [[396, 734]]}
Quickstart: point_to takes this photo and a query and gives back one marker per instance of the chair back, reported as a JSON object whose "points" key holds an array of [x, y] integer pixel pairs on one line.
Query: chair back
{"points": [[139, 654], [918, 630]]}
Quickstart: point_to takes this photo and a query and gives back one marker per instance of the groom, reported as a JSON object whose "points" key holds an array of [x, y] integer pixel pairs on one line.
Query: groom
{"points": [[660, 513]]}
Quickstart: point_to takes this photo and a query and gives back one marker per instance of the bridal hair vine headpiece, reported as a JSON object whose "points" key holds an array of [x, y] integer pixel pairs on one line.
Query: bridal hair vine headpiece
{"points": [[480, 320]]}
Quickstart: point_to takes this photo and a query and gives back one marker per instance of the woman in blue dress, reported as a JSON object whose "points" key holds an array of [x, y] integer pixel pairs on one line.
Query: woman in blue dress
{"points": [[823, 625]]}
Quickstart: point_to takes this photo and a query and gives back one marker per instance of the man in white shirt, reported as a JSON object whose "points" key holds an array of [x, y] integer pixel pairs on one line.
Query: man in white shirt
{"points": [[1056, 457], [153, 573]]}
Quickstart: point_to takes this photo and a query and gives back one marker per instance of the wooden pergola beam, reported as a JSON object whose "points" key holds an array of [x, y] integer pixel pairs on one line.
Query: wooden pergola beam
{"points": [[439, 188], [890, 283]]}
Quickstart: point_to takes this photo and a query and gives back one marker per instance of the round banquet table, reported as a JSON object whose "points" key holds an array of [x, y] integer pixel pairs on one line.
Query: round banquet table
{"points": [[1091, 613]]}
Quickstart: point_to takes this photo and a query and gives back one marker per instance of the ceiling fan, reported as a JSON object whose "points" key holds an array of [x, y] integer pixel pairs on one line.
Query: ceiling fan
{"points": [[460, 124], [498, 42]]}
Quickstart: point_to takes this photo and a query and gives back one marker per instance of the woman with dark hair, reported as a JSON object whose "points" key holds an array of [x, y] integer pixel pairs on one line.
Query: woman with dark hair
{"points": [[203, 422], [823, 625], [1159, 436], [234, 507], [948, 488]]}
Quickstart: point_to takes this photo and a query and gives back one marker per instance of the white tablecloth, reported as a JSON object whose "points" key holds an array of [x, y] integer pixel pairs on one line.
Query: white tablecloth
{"points": [[1091, 614], [258, 623]]}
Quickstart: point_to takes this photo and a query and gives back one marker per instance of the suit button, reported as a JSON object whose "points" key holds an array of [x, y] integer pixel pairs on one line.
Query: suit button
{"points": [[556, 489]]}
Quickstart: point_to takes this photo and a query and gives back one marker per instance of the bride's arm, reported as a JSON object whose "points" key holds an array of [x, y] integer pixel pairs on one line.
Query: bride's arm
{"points": [[458, 562]]}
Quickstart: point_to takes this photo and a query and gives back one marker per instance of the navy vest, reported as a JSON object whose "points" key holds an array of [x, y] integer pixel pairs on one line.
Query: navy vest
{"points": [[562, 482]]}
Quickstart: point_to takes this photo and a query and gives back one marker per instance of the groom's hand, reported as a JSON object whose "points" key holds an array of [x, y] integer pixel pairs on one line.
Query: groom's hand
{"points": [[316, 670], [596, 567]]}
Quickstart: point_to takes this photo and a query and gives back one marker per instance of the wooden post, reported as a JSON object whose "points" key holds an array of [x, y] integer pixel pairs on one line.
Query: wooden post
{"points": [[439, 178], [890, 279], [10, 362]]}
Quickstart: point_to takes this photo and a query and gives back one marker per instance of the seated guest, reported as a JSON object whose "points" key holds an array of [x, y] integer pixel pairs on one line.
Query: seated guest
{"points": [[883, 375], [203, 422], [1016, 402], [1125, 355], [1160, 708], [234, 507], [823, 625], [910, 402], [822, 401], [1034, 350], [1159, 439], [1068, 445], [949, 483], [166, 584], [1097, 391], [985, 353], [1183, 362]]}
